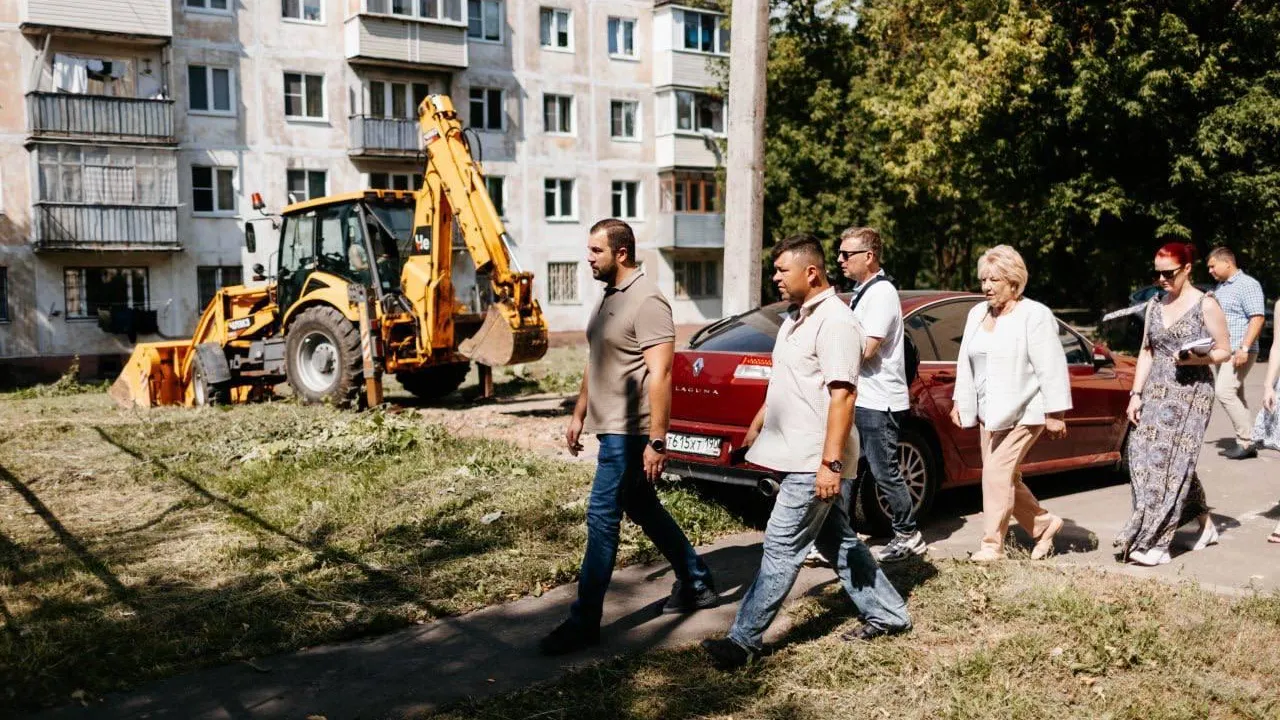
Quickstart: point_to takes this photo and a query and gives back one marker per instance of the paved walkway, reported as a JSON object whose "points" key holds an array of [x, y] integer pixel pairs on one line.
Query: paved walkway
{"points": [[420, 669]]}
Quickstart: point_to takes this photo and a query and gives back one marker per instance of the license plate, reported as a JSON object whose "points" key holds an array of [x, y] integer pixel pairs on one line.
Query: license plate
{"points": [[693, 444]]}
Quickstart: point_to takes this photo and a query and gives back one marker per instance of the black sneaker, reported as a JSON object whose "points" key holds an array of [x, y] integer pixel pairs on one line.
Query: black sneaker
{"points": [[1241, 453], [903, 547], [684, 600], [867, 632], [569, 637], [727, 654]]}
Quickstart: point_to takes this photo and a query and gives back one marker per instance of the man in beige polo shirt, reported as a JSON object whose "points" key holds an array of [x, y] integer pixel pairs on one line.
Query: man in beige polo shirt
{"points": [[804, 432], [632, 342]]}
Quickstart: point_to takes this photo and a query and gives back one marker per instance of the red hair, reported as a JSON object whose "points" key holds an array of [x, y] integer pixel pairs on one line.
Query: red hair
{"points": [[1180, 252]]}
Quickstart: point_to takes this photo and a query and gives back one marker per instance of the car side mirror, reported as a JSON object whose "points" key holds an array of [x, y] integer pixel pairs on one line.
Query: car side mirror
{"points": [[259, 272], [1102, 357], [250, 238]]}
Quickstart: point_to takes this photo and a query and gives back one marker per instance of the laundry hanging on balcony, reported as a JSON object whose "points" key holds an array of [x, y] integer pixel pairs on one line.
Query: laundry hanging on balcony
{"points": [[70, 74]]}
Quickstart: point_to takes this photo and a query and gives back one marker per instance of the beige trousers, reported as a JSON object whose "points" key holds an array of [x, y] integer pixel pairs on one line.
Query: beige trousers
{"points": [[1003, 492], [1229, 387]]}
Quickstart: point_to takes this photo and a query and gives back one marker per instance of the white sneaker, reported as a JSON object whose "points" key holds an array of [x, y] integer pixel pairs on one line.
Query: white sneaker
{"points": [[816, 559]]}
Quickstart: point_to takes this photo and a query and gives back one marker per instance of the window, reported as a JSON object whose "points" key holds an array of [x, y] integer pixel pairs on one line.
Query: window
{"points": [[497, 187], [425, 9], [307, 184], [486, 108], [396, 99], [558, 198], [91, 289], [210, 5], [622, 37], [395, 181], [308, 10], [484, 20], [690, 194], [623, 119], [702, 32], [4, 294], [946, 328], [557, 114], [212, 190], [106, 176], [212, 278], [562, 283], [209, 89], [304, 96], [696, 112], [556, 30], [626, 198], [1074, 347], [697, 278]]}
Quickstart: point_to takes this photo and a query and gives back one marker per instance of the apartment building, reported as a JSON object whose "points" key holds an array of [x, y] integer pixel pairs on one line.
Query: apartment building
{"points": [[133, 134]]}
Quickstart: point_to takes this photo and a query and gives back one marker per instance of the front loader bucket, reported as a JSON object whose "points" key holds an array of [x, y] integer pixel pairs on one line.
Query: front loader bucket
{"points": [[504, 339], [153, 376]]}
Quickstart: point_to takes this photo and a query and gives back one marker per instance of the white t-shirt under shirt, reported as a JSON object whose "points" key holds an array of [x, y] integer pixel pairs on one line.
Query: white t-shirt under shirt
{"points": [[980, 344], [882, 382]]}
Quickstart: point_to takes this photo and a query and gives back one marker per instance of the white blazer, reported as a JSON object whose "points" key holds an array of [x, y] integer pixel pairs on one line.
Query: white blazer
{"points": [[1026, 369]]}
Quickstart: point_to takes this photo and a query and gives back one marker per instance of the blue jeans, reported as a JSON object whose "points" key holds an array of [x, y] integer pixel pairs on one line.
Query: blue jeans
{"points": [[620, 486], [800, 518], [878, 434]]}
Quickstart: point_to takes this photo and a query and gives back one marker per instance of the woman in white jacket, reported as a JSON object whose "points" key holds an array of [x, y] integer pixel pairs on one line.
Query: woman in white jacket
{"points": [[1011, 381]]}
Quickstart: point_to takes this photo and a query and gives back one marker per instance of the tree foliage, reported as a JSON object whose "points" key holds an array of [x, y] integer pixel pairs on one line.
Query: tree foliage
{"points": [[1083, 132]]}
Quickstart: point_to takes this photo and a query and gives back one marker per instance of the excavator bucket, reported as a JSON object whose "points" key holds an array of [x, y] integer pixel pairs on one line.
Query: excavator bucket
{"points": [[153, 376], [504, 339]]}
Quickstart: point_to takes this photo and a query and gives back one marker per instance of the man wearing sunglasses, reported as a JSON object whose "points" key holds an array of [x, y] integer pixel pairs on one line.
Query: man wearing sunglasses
{"points": [[1242, 302]]}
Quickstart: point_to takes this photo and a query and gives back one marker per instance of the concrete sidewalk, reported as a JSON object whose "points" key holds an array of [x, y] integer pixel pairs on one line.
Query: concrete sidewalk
{"points": [[416, 670]]}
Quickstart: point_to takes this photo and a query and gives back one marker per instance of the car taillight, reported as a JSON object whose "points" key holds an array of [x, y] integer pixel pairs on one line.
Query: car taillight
{"points": [[754, 368]]}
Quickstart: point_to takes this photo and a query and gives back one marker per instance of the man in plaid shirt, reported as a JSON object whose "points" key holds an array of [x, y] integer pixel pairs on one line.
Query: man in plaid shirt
{"points": [[1241, 299]]}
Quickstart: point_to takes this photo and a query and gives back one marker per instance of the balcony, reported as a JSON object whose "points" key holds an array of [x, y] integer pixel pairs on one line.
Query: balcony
{"points": [[62, 116], [694, 231], [66, 226], [688, 150], [142, 21], [372, 136], [401, 40]]}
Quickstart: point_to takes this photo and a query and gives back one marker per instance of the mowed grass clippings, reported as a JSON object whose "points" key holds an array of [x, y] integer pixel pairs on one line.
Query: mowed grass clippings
{"points": [[135, 545], [1014, 641]]}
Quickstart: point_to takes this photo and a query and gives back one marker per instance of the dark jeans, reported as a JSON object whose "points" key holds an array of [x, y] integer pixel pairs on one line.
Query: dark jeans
{"points": [[878, 433], [799, 519], [620, 486]]}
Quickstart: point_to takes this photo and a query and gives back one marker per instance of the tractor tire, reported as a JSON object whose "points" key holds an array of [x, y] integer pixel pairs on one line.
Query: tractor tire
{"points": [[433, 383], [322, 357], [205, 392], [921, 468]]}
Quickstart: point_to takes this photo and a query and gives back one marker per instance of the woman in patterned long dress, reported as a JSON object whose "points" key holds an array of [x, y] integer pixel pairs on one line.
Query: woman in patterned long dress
{"points": [[1266, 431], [1171, 402]]}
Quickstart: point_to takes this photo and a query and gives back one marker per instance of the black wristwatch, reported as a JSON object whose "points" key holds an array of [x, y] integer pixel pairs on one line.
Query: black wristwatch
{"points": [[658, 444], [836, 466]]}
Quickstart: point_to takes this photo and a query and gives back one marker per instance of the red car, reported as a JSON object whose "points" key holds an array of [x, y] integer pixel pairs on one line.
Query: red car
{"points": [[719, 383]]}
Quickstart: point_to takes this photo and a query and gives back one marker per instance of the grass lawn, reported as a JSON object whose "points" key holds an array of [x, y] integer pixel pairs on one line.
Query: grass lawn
{"points": [[1016, 641], [135, 545]]}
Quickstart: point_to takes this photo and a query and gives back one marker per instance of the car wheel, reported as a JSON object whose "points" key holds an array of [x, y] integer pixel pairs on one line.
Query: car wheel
{"points": [[922, 471]]}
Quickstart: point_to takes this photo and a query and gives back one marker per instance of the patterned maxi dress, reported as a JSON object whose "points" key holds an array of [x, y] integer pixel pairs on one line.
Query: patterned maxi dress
{"points": [[1164, 448]]}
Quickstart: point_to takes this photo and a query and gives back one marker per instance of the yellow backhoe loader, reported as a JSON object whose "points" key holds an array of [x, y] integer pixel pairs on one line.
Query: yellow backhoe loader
{"points": [[363, 285]]}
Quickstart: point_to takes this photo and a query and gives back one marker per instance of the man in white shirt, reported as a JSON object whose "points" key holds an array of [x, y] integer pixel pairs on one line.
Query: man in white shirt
{"points": [[804, 432], [883, 398]]}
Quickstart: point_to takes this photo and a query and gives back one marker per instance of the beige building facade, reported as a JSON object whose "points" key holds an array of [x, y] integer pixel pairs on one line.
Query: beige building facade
{"points": [[135, 132]]}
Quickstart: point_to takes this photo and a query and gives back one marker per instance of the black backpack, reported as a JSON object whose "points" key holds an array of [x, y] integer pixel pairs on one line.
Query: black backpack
{"points": [[910, 354]]}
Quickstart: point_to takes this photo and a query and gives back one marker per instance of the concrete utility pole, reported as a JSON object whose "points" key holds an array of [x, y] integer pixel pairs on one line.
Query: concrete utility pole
{"points": [[744, 188]]}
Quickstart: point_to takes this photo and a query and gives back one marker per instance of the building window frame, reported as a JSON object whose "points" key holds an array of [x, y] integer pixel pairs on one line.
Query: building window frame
{"points": [[417, 9], [308, 178], [303, 98], [483, 21], [101, 175], [4, 294], [696, 279], [626, 199], [208, 7], [407, 94], [559, 203], [691, 194], [394, 181], [720, 35], [496, 186], [562, 283], [618, 120], [621, 35], [81, 307], [492, 106], [558, 112], [555, 29], [221, 190], [214, 278], [703, 111], [301, 6], [210, 73]]}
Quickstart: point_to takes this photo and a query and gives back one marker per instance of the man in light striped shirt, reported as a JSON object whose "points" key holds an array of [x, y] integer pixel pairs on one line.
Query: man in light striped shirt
{"points": [[1243, 303]]}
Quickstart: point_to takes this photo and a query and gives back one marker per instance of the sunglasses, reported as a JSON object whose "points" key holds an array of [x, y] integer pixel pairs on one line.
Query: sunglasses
{"points": [[846, 254], [1167, 274]]}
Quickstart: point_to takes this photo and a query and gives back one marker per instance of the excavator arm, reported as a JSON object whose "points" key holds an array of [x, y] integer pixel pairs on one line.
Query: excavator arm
{"points": [[453, 189]]}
